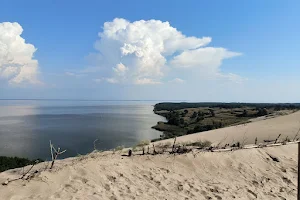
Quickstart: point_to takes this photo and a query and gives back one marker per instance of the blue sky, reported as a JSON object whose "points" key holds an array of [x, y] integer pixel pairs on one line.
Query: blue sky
{"points": [[209, 51]]}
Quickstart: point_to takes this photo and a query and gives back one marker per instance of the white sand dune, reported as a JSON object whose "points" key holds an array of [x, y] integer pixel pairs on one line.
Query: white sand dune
{"points": [[241, 174]]}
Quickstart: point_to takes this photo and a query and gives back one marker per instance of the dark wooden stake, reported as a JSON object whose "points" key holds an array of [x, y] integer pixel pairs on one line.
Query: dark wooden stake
{"points": [[129, 152], [173, 148], [154, 152], [298, 195], [296, 134], [277, 139], [55, 157]]}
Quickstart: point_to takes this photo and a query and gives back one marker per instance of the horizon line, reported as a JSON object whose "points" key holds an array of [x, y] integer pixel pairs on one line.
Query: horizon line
{"points": [[159, 100], [40, 99]]}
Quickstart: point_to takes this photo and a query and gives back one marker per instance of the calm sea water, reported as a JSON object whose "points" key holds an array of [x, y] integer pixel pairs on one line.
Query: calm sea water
{"points": [[26, 126]]}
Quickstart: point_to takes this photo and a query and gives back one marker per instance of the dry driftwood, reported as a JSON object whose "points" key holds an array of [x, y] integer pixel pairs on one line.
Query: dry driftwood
{"points": [[95, 148], [25, 175], [28, 175], [55, 154], [268, 140]]}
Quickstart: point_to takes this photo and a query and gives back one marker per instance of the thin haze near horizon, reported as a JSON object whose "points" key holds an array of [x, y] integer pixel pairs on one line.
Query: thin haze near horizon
{"points": [[228, 51]]}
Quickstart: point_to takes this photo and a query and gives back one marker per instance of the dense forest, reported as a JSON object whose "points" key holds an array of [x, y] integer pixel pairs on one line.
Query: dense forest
{"points": [[176, 106]]}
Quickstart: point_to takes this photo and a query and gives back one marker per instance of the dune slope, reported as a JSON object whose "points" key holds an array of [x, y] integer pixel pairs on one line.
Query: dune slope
{"points": [[242, 174]]}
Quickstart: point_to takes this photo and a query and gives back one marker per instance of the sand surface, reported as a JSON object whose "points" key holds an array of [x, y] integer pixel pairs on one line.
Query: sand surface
{"points": [[240, 174], [269, 129]]}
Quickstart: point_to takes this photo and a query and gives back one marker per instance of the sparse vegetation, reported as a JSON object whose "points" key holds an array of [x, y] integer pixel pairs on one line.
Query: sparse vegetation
{"points": [[194, 115]]}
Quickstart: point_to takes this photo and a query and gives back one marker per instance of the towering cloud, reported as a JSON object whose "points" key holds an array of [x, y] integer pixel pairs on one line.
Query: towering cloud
{"points": [[16, 56], [141, 52]]}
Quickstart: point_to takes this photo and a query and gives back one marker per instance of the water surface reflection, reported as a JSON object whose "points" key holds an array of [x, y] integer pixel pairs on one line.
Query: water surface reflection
{"points": [[25, 130]]}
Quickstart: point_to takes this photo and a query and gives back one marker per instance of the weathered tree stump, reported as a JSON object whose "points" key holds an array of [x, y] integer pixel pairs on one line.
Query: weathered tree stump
{"points": [[129, 153]]}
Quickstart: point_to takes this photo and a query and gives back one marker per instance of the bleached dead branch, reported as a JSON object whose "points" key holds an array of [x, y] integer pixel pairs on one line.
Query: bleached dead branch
{"points": [[56, 154]]}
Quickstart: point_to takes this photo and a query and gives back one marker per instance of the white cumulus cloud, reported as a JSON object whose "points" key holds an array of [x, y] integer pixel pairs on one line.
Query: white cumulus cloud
{"points": [[120, 69], [146, 81], [177, 80], [109, 80], [17, 65], [207, 57], [143, 52]]}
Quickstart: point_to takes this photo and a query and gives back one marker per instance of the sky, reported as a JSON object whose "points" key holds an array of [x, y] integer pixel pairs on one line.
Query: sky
{"points": [[225, 51]]}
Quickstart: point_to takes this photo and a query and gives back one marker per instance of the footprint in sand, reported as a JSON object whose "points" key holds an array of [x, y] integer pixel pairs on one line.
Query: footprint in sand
{"points": [[218, 197], [252, 193], [107, 187], [111, 178], [180, 187], [70, 188], [286, 180], [255, 183]]}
